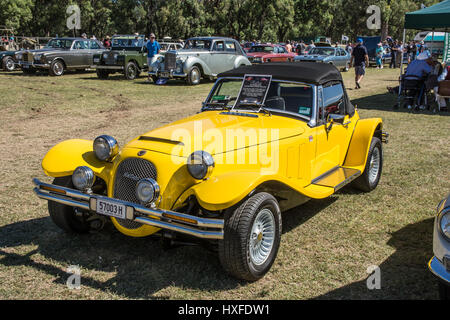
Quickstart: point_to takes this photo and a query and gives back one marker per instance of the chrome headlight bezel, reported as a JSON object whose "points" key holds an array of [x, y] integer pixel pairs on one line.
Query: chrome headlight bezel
{"points": [[105, 147], [444, 218], [83, 178], [147, 190], [105, 55], [200, 165]]}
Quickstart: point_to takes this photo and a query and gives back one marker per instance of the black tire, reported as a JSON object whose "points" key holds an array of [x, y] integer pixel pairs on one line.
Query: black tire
{"points": [[368, 180], [131, 71], [8, 64], [154, 78], [234, 249], [57, 68], [64, 216], [444, 291], [194, 76], [102, 74]]}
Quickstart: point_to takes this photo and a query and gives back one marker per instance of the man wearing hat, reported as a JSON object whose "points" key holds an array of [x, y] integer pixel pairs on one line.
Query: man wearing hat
{"points": [[153, 48], [360, 57]]}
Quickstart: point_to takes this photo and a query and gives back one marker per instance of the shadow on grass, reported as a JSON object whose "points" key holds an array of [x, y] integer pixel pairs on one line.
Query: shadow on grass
{"points": [[404, 275], [386, 102], [141, 265]]}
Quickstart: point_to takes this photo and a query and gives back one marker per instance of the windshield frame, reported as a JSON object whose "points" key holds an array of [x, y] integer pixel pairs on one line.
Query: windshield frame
{"points": [[204, 40], [130, 47], [312, 121]]}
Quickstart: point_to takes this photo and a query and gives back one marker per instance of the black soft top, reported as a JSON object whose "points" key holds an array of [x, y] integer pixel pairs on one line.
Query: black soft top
{"points": [[307, 72]]}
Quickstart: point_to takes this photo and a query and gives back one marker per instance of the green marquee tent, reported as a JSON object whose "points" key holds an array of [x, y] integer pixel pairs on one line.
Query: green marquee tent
{"points": [[434, 18]]}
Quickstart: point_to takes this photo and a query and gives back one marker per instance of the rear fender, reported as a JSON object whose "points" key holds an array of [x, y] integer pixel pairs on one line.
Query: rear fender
{"points": [[65, 157]]}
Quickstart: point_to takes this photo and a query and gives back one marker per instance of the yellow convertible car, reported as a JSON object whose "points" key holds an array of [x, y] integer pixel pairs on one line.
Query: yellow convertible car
{"points": [[268, 138]]}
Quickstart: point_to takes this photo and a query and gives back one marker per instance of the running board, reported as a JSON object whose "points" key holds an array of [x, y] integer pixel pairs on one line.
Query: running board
{"points": [[337, 178]]}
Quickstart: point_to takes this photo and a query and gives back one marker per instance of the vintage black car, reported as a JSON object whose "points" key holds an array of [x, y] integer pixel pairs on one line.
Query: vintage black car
{"points": [[59, 55]]}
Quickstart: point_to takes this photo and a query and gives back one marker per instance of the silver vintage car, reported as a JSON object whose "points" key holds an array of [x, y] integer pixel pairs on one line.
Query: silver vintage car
{"points": [[335, 56], [439, 264], [59, 55], [200, 57]]}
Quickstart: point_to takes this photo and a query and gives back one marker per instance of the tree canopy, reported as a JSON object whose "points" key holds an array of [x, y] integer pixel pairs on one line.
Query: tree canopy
{"points": [[265, 20]]}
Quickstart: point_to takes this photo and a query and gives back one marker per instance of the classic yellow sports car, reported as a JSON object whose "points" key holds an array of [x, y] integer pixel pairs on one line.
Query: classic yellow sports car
{"points": [[268, 138]]}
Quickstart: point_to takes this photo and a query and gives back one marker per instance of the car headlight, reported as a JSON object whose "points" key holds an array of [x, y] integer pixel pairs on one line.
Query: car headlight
{"points": [[160, 59], [105, 147], [200, 165], [19, 56], [444, 224], [38, 57], [115, 56], [105, 55], [83, 178], [147, 190]]}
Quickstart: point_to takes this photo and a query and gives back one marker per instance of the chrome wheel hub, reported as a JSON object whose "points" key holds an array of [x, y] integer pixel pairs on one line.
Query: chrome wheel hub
{"points": [[262, 237], [374, 165]]}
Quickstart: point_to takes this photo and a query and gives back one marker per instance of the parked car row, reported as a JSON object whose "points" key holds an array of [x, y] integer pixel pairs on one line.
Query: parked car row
{"points": [[197, 58]]}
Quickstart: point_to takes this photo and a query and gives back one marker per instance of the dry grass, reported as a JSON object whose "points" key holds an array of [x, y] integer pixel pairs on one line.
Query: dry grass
{"points": [[326, 246]]}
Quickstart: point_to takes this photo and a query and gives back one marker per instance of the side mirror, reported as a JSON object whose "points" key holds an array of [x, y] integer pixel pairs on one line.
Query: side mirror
{"points": [[333, 117]]}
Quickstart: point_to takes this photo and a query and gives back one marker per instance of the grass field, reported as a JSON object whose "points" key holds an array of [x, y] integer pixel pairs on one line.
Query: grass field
{"points": [[326, 247]]}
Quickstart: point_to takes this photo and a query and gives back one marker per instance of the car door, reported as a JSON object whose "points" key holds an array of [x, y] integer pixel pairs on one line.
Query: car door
{"points": [[332, 136], [219, 61], [80, 54]]}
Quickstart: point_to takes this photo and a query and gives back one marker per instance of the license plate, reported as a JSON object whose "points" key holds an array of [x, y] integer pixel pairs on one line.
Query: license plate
{"points": [[111, 208], [26, 66], [96, 59], [165, 75]]}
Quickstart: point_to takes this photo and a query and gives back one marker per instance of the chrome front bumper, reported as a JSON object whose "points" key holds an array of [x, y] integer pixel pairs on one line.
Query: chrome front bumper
{"points": [[98, 66], [439, 270], [170, 74], [26, 64], [199, 227]]}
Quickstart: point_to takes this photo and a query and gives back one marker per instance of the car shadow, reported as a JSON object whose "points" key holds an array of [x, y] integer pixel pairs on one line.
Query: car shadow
{"points": [[386, 102], [404, 274], [142, 265]]}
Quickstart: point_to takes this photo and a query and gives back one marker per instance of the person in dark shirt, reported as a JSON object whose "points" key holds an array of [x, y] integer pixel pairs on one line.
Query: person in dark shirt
{"points": [[359, 59]]}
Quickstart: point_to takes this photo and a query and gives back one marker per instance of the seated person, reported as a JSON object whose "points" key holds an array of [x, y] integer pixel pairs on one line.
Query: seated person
{"points": [[445, 75], [417, 70]]}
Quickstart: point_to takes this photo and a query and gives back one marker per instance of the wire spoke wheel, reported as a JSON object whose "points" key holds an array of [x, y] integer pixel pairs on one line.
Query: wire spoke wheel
{"points": [[262, 237], [374, 165]]}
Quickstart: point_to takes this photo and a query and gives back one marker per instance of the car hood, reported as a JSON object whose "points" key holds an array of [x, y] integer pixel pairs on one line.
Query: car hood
{"points": [[218, 132], [257, 54], [44, 50], [312, 57]]}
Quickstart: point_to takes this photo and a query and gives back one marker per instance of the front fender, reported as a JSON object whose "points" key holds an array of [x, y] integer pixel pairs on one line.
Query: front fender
{"points": [[66, 156], [360, 143], [191, 61]]}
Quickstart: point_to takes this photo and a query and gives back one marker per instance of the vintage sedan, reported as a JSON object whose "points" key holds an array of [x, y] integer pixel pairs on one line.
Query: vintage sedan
{"points": [[7, 60], [335, 56], [59, 55], [439, 265], [201, 57], [262, 53], [269, 137], [128, 55]]}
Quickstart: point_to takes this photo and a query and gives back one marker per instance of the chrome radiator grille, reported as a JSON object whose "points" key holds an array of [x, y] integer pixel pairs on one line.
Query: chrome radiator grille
{"points": [[28, 57], [128, 173], [170, 61]]}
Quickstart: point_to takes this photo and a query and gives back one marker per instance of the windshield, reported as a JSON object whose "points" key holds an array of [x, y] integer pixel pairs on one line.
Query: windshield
{"points": [[128, 42], [261, 49], [59, 43], [322, 51], [197, 44], [290, 98]]}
